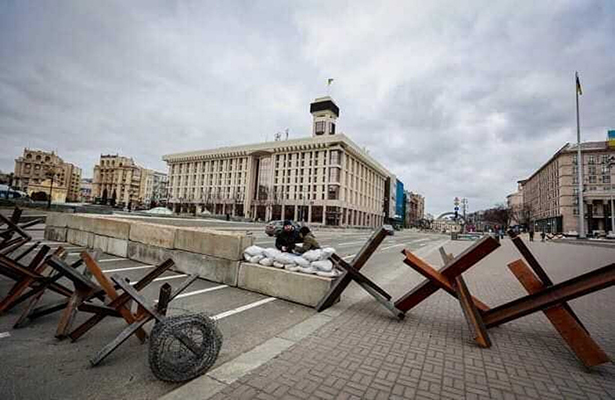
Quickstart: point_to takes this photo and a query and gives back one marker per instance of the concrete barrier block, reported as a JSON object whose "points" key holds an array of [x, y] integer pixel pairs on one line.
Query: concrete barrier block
{"points": [[55, 233], [210, 268], [229, 245], [100, 243], [59, 220], [80, 238], [146, 253], [109, 227], [78, 222], [153, 234], [117, 247], [297, 287]]}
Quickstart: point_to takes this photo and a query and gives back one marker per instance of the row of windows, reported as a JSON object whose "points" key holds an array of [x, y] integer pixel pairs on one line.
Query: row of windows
{"points": [[593, 158], [210, 166]]}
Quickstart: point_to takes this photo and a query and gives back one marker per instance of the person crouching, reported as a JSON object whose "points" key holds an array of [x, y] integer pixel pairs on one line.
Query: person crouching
{"points": [[287, 239], [309, 241]]}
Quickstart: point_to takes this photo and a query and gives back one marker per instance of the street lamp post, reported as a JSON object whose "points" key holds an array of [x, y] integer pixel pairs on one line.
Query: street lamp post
{"points": [[610, 165]]}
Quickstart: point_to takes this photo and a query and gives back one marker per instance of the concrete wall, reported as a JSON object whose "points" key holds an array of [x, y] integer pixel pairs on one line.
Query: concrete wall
{"points": [[213, 255]]}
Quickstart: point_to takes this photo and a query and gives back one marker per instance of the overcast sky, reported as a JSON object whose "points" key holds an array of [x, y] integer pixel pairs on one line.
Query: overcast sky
{"points": [[455, 99]]}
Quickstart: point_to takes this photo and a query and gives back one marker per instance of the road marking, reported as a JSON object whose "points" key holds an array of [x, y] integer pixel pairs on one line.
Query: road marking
{"points": [[242, 308], [128, 268], [350, 256], [4, 335], [112, 259], [349, 243], [390, 247], [201, 291], [164, 278]]}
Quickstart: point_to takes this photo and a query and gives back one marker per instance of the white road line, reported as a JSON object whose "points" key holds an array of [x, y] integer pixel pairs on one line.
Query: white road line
{"points": [[164, 278], [201, 291], [349, 243], [4, 335], [350, 256], [112, 259], [390, 247], [128, 268], [242, 308]]}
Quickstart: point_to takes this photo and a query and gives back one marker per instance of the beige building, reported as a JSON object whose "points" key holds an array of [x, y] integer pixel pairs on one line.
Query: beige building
{"points": [[119, 180], [515, 205], [551, 193], [415, 208], [324, 179], [37, 166]]}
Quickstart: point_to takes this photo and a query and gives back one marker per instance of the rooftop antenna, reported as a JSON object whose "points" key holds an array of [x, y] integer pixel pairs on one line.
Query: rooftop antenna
{"points": [[286, 132], [278, 136]]}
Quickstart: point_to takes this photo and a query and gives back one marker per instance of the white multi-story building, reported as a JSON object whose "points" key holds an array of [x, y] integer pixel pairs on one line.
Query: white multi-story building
{"points": [[324, 179]]}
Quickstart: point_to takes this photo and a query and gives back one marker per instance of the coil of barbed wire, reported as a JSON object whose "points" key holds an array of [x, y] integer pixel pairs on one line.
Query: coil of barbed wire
{"points": [[183, 347]]}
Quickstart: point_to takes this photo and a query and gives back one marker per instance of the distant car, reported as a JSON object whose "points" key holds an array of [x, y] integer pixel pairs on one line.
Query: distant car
{"points": [[160, 211], [273, 228], [390, 229]]}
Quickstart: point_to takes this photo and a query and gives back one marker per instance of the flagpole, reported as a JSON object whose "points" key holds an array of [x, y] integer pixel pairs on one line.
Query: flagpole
{"points": [[579, 164]]}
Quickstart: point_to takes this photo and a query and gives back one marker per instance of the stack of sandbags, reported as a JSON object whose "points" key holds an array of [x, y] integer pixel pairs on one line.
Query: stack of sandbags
{"points": [[311, 262]]}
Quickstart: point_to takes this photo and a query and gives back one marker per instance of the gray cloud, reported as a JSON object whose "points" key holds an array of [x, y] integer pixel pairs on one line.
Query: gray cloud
{"points": [[456, 100]]}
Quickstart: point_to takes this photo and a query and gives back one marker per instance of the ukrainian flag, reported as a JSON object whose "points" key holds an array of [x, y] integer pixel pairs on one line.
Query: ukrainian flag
{"points": [[611, 138], [579, 90]]}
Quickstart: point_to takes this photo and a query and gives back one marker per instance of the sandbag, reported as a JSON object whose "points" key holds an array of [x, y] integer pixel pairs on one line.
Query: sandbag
{"points": [[278, 265], [285, 258], [308, 270], [332, 274], [326, 253], [291, 267], [324, 265], [256, 259], [312, 255], [254, 251], [267, 262], [271, 253], [300, 261]]}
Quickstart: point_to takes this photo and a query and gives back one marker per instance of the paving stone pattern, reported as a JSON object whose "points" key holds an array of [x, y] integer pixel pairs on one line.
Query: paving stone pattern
{"points": [[366, 354]]}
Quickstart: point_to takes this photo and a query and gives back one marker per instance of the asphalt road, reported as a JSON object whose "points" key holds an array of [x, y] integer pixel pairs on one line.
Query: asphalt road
{"points": [[36, 365]]}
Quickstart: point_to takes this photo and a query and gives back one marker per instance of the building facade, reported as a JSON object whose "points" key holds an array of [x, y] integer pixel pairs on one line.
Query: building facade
{"points": [[514, 201], [85, 191], [324, 179], [551, 193], [38, 171], [154, 188], [415, 209], [117, 181]]}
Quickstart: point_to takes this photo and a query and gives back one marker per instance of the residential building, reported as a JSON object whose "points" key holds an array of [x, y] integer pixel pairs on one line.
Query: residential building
{"points": [[154, 189], [515, 206], [36, 169], [551, 192], [323, 179], [85, 191], [117, 181], [415, 209]]}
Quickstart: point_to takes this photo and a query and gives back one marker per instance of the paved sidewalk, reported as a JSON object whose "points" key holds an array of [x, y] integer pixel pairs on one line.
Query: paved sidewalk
{"points": [[366, 354]]}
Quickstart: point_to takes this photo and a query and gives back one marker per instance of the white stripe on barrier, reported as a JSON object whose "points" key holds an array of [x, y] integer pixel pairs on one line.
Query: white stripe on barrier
{"points": [[243, 308], [128, 268], [4, 335], [112, 259]]}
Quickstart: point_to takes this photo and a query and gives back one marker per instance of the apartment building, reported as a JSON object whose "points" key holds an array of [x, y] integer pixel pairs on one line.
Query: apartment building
{"points": [[117, 181], [323, 179], [415, 208], [41, 171], [551, 193], [154, 187]]}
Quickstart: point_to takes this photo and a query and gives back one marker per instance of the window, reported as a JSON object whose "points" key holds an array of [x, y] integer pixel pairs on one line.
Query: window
{"points": [[592, 179], [591, 159], [332, 128], [320, 127], [606, 178], [592, 170]]}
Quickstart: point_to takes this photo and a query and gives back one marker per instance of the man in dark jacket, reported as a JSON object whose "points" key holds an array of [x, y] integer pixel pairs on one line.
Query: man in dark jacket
{"points": [[287, 238], [308, 239]]}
